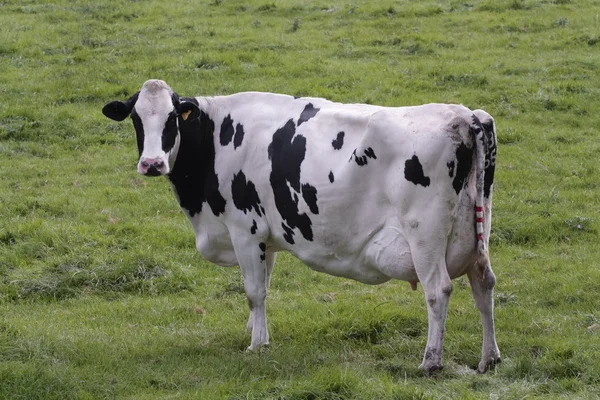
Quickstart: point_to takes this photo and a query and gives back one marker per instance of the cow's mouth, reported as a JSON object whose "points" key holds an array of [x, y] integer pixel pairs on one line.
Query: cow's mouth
{"points": [[152, 171]]}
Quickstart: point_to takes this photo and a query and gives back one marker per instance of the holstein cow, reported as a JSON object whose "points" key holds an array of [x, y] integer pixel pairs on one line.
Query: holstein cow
{"points": [[359, 191]]}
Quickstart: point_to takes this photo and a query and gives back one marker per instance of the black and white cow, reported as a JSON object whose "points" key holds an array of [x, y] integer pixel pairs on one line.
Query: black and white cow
{"points": [[359, 191]]}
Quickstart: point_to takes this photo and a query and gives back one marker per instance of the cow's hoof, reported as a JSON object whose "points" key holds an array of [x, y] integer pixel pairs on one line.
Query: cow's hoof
{"points": [[258, 348], [430, 369], [490, 363]]}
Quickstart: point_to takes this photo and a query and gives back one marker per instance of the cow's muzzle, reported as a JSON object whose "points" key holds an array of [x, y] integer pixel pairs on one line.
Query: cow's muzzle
{"points": [[152, 167]]}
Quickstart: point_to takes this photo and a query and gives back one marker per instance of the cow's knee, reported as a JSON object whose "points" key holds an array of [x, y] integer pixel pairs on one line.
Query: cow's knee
{"points": [[256, 298], [446, 289], [441, 294], [489, 280]]}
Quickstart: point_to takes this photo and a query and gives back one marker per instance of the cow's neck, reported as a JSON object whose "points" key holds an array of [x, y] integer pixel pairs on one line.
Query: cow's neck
{"points": [[193, 176]]}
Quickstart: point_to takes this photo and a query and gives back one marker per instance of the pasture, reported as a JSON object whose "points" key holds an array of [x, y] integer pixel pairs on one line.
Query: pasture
{"points": [[102, 292]]}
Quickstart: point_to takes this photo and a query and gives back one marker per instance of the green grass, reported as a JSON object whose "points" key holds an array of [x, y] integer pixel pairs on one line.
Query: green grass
{"points": [[102, 294]]}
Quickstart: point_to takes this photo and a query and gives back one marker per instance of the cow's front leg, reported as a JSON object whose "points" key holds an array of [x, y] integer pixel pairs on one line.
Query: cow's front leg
{"points": [[482, 285], [253, 264], [270, 260]]}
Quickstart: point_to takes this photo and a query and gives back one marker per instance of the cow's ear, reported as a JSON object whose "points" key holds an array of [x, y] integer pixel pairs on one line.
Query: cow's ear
{"points": [[119, 110], [188, 111], [116, 110]]}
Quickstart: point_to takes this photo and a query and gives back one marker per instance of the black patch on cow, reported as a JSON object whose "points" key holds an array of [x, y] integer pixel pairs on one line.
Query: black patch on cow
{"points": [[169, 133], [370, 153], [170, 130], [226, 131], [363, 159], [139, 131], [263, 248], [490, 157], [288, 233], [338, 142], [253, 227], [359, 160], [119, 110], [244, 194], [488, 127], [331, 178], [228, 134], [286, 153], [175, 100], [464, 160], [309, 193], [308, 112], [488, 180], [450, 168], [413, 172], [193, 175], [239, 136]]}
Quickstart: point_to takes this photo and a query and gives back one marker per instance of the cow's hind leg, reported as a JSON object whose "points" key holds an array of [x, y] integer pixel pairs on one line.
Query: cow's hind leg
{"points": [[270, 263], [430, 265], [482, 285]]}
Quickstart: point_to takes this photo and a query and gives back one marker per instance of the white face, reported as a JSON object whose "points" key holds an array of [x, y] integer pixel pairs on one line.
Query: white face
{"points": [[155, 121]]}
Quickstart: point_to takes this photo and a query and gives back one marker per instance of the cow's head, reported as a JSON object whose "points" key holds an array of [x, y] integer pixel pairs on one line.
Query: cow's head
{"points": [[157, 113]]}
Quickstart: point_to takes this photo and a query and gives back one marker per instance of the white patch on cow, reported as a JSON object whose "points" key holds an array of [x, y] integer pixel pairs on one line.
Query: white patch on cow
{"points": [[153, 106]]}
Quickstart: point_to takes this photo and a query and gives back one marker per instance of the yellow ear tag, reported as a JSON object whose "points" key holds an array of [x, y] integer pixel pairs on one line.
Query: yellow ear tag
{"points": [[186, 114]]}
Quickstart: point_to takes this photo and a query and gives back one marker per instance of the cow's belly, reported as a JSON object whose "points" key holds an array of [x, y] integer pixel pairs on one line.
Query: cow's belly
{"points": [[390, 254], [347, 267], [383, 257]]}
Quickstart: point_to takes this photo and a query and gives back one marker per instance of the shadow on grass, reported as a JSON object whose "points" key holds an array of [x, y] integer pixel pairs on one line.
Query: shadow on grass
{"points": [[74, 276]]}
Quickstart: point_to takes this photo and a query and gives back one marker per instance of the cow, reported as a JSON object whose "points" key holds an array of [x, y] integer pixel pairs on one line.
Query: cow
{"points": [[360, 191]]}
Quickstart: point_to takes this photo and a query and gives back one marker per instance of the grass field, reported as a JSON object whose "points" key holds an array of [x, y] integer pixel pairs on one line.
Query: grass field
{"points": [[102, 293]]}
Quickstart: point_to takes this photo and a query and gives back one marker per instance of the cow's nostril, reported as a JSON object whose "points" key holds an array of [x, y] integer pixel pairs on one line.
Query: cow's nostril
{"points": [[158, 164]]}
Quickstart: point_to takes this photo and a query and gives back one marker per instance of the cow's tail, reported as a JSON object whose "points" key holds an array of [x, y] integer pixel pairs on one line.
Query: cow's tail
{"points": [[484, 134]]}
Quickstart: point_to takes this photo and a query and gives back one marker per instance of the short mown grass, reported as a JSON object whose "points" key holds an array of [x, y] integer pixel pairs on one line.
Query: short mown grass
{"points": [[102, 293]]}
